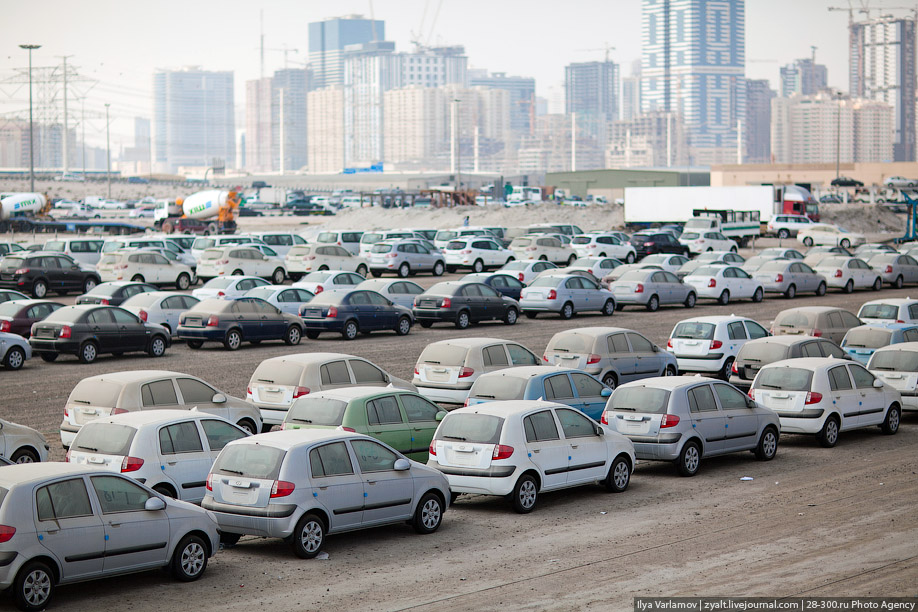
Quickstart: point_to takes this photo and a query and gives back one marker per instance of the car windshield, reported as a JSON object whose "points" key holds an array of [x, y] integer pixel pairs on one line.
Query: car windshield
{"points": [[474, 428], [250, 461], [694, 330], [784, 379], [762, 352], [105, 438], [200, 244], [640, 399], [570, 342], [895, 361], [867, 337], [322, 411], [275, 372], [445, 235], [879, 311], [796, 318], [371, 237], [381, 248], [219, 283], [444, 354], [545, 281], [498, 387], [633, 276]]}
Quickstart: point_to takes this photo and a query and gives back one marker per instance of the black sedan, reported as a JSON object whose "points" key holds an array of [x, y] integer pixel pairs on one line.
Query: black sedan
{"points": [[40, 272], [353, 312], [90, 330], [504, 284], [114, 293], [846, 181], [463, 304], [232, 322]]}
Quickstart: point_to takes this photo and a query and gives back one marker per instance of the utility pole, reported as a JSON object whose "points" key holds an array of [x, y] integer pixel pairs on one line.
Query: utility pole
{"points": [[83, 138], [573, 142], [66, 148], [281, 130], [837, 133], [30, 48], [108, 148]]}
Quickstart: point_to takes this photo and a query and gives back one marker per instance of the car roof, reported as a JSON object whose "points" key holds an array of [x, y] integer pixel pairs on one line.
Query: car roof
{"points": [[134, 376], [670, 382], [24, 473], [807, 363], [289, 438], [596, 331], [715, 319], [530, 371], [815, 309], [506, 408], [352, 393], [786, 339], [310, 358], [892, 301], [901, 346], [153, 417], [471, 342]]}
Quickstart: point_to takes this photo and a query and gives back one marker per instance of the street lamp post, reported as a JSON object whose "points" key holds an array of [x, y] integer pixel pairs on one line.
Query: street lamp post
{"points": [[108, 150], [29, 48]]}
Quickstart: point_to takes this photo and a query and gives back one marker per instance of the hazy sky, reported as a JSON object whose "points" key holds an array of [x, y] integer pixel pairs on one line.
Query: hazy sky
{"points": [[121, 44]]}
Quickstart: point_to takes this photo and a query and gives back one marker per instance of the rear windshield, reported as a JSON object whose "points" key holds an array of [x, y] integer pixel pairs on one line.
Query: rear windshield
{"points": [[633, 275], [212, 254], [707, 271], [55, 245], [103, 289], [655, 259], [105, 438], [570, 343], [441, 288], [867, 337], [475, 428], [895, 361], [516, 265], [455, 245], [299, 250], [316, 411], [12, 263], [878, 311], [250, 460], [581, 240], [498, 387], [784, 379], [796, 319], [545, 281], [142, 299], [694, 330], [219, 283], [381, 248], [326, 237], [371, 237], [95, 392], [640, 399], [883, 258], [774, 266], [521, 242], [762, 352], [109, 259], [261, 292], [444, 354], [3, 493], [445, 235], [689, 236], [200, 244], [275, 372], [63, 315], [836, 262]]}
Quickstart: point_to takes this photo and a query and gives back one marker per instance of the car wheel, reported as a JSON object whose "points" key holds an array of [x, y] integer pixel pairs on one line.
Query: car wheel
{"points": [[426, 324], [248, 425], [27, 455], [438, 269], [308, 536], [40, 289], [511, 316], [137, 278], [451, 269], [630, 258], [828, 435], [89, 284], [48, 357], [619, 475], [429, 514], [322, 268], [195, 344], [890, 423], [525, 494], [767, 447], [404, 270], [808, 241], [182, 282], [724, 298], [608, 309], [899, 282], [689, 459], [350, 330], [878, 284], [670, 371], [293, 336], [653, 304], [791, 292], [567, 311], [733, 249], [783, 234], [610, 380], [88, 352], [571, 260], [376, 273], [403, 327], [758, 296], [543, 258], [531, 315], [845, 243], [690, 300], [463, 320], [157, 347], [312, 334], [14, 359], [189, 559], [478, 266], [709, 250], [238, 272], [34, 586], [233, 340], [165, 491], [278, 277], [724, 372], [821, 289], [849, 286], [453, 496], [228, 540], [362, 270]]}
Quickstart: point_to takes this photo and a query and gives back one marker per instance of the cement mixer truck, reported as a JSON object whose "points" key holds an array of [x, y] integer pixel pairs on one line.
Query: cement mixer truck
{"points": [[205, 212], [19, 205]]}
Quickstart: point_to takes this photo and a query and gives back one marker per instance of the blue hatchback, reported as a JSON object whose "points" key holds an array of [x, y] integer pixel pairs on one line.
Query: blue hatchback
{"points": [[353, 312], [861, 342], [573, 388]]}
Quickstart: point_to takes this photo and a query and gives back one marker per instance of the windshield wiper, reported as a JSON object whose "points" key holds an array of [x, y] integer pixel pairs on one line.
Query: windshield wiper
{"points": [[771, 386], [884, 368], [231, 471], [456, 438], [267, 380], [624, 408], [433, 362], [89, 448], [302, 420], [487, 396]]}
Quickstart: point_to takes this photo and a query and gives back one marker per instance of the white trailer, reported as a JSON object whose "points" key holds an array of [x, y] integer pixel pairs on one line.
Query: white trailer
{"points": [[677, 204]]}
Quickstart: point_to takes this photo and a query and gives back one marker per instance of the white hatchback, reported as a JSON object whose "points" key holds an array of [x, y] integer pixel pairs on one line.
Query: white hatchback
{"points": [[302, 260], [144, 267], [710, 344], [897, 366], [889, 310], [700, 242]]}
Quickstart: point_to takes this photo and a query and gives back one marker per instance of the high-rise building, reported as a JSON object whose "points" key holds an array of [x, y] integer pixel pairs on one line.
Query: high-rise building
{"points": [[693, 64], [804, 77], [591, 89], [270, 103], [325, 136], [193, 119], [882, 67], [415, 120], [328, 39], [757, 126], [656, 139], [259, 154], [522, 96], [631, 97]]}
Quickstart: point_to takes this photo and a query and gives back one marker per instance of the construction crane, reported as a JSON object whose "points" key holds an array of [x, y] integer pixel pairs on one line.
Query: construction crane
{"points": [[285, 50], [606, 47]]}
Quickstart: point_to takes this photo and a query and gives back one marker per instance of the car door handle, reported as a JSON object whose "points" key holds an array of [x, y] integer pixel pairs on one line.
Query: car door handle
{"points": [[114, 524], [536, 450], [52, 530], [323, 488], [172, 462], [371, 482], [575, 445]]}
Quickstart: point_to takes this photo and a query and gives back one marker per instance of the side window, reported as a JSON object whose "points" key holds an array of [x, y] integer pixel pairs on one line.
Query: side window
{"points": [[839, 379], [335, 373], [488, 292], [521, 356], [173, 303], [123, 317], [558, 387], [701, 399], [118, 494], [736, 331], [658, 277], [670, 277], [640, 344], [913, 311], [618, 344], [494, 355], [756, 330], [159, 393], [383, 411], [849, 319], [194, 391], [862, 378], [330, 460], [372, 456], [730, 398], [67, 499], [220, 433], [367, 373], [574, 424], [829, 349], [540, 427], [418, 409], [835, 319], [180, 438], [587, 386], [470, 291], [811, 349], [99, 317], [910, 335]]}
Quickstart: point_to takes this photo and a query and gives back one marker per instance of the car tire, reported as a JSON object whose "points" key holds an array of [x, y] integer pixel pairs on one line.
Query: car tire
{"points": [[690, 300], [88, 352], [233, 340], [571, 260], [670, 371], [543, 258], [14, 358], [758, 296], [899, 282], [404, 270], [653, 304], [248, 425], [157, 347], [293, 335], [322, 268], [849, 286], [308, 536], [295, 276], [478, 266], [350, 330], [438, 269], [724, 298], [525, 494], [724, 372], [189, 559], [165, 490], [311, 334], [610, 380], [228, 540], [403, 327], [845, 243], [278, 276], [890, 423], [40, 289], [567, 311], [767, 447], [511, 317], [34, 586], [733, 249], [425, 324], [808, 242], [429, 514], [619, 475], [821, 289], [531, 315], [27, 455], [783, 234], [791, 292], [608, 309], [182, 282], [195, 344], [463, 320], [630, 258], [362, 270], [877, 284], [376, 273], [238, 272], [451, 269], [137, 278], [689, 459], [828, 435], [89, 284]]}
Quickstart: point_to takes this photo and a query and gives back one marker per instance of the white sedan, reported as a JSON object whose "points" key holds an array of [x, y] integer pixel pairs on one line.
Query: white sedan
{"points": [[670, 263], [849, 273], [700, 242], [831, 235], [330, 280], [526, 270], [723, 283], [228, 287]]}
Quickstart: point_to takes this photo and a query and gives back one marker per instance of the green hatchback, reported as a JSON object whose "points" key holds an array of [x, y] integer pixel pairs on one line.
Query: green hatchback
{"points": [[402, 419]]}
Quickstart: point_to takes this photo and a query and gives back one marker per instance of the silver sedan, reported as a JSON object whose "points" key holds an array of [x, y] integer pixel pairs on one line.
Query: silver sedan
{"points": [[565, 294], [895, 269], [401, 292], [790, 277], [651, 288]]}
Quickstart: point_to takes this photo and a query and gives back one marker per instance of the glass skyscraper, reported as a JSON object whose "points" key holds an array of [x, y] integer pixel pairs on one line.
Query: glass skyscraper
{"points": [[327, 40]]}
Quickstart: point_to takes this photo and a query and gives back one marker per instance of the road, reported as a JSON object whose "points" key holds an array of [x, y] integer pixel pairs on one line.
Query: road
{"points": [[812, 522]]}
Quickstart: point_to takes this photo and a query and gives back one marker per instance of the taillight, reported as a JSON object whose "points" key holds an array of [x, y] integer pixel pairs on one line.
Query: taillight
{"points": [[209, 482], [143, 315], [716, 344], [417, 372], [391, 255], [309, 257], [669, 420], [639, 288], [751, 394], [812, 397], [67, 456], [501, 451], [300, 392], [282, 488], [466, 252], [432, 449], [223, 262], [350, 429], [734, 368], [117, 411], [121, 267], [593, 359], [220, 294], [466, 372], [604, 419], [131, 464], [817, 333], [669, 343], [319, 289], [779, 278], [5, 326], [712, 282], [104, 302], [553, 295], [6, 533], [213, 321], [889, 269], [332, 313], [545, 358], [647, 244], [446, 303], [248, 390], [66, 412], [521, 276], [838, 274], [65, 331]]}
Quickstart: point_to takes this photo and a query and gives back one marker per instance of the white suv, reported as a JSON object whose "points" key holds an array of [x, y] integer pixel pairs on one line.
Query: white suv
{"points": [[476, 254], [144, 266], [785, 226], [239, 260], [597, 244], [710, 344]]}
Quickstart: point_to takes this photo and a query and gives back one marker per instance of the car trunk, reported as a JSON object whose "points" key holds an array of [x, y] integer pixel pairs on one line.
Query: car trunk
{"points": [[244, 475], [692, 339], [637, 411], [570, 351], [783, 389], [91, 399], [102, 445], [276, 383], [467, 440]]}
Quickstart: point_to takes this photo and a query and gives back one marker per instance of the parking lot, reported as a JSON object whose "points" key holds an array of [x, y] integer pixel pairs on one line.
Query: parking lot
{"points": [[813, 522]]}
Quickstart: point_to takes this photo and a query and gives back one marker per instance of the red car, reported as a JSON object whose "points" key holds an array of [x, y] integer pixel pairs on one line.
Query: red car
{"points": [[17, 316]]}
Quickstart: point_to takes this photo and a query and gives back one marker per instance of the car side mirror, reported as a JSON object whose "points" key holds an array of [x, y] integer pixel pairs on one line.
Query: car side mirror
{"points": [[606, 392], [401, 465], [218, 398], [656, 349], [154, 504], [750, 403], [440, 416], [599, 430], [877, 383]]}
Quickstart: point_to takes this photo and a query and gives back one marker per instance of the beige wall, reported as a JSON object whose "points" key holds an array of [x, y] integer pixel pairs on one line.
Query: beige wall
{"points": [[816, 174]]}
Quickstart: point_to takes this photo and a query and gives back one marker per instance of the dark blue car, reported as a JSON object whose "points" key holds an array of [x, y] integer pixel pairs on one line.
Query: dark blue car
{"points": [[232, 322], [353, 312], [504, 284]]}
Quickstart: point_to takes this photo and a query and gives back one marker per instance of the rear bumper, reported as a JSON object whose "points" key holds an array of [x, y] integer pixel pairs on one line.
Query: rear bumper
{"points": [[200, 333], [663, 447], [15, 283], [742, 383], [275, 521], [809, 422], [435, 314], [444, 395], [541, 305], [41, 345], [631, 298], [323, 325], [774, 287], [706, 363], [496, 480]]}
